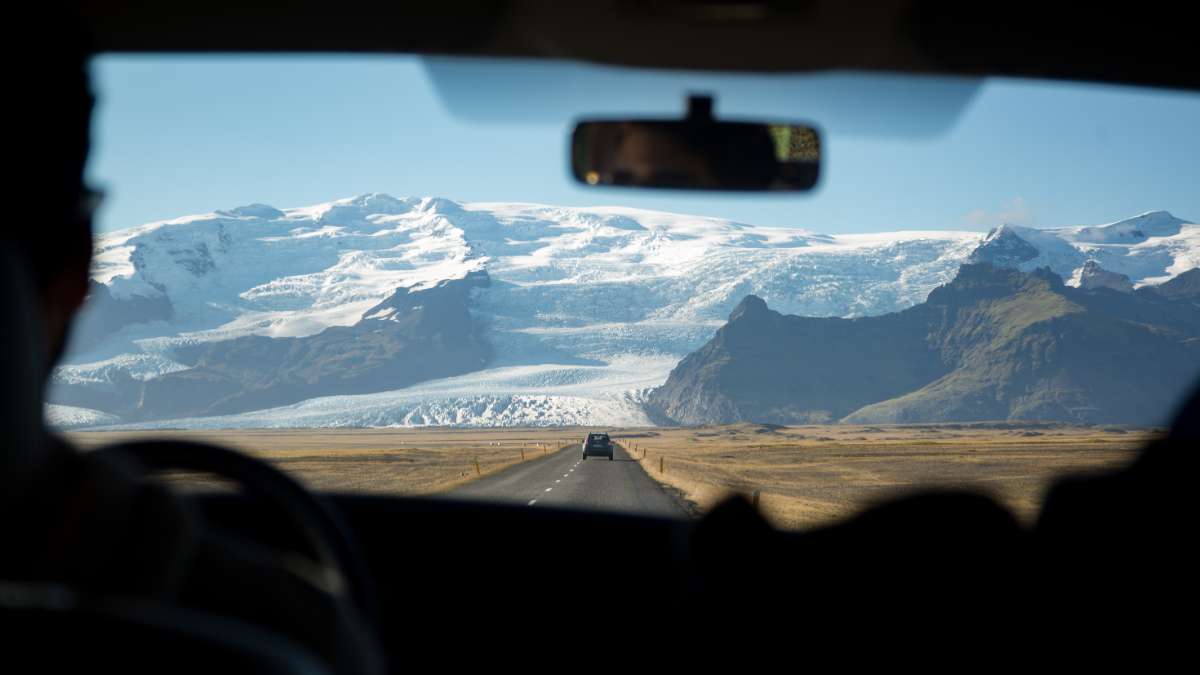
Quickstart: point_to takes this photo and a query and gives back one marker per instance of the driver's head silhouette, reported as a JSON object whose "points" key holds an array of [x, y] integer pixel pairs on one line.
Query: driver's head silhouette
{"points": [[52, 235], [82, 522]]}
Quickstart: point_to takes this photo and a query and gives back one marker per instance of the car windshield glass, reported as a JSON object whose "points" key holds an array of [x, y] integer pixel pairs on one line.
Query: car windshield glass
{"points": [[379, 274]]}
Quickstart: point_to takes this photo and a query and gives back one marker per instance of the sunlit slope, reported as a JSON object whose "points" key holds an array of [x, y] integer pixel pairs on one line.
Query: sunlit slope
{"points": [[994, 344]]}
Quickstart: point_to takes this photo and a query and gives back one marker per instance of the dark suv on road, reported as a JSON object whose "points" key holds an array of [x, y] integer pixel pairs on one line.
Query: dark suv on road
{"points": [[598, 444]]}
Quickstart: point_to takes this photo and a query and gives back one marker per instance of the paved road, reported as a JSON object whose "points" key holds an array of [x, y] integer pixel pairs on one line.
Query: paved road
{"points": [[564, 479]]}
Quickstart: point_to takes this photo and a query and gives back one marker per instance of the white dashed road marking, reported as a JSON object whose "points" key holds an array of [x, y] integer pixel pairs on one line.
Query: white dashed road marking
{"points": [[558, 481], [532, 502], [549, 489]]}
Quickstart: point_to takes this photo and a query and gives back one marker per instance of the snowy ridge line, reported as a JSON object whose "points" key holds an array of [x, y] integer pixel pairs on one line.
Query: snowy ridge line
{"points": [[576, 294]]}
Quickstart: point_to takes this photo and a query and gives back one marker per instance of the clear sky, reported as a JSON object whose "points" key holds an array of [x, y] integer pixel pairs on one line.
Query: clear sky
{"points": [[182, 135]]}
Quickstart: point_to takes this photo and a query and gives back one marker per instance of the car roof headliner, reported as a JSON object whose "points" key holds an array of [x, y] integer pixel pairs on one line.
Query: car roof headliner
{"points": [[1138, 45]]}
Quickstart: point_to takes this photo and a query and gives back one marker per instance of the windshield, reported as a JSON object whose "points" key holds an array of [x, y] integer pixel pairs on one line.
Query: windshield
{"points": [[379, 274]]}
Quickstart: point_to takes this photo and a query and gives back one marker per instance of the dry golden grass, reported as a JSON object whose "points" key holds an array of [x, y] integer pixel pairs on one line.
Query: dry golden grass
{"points": [[806, 475], [379, 461], [810, 475]]}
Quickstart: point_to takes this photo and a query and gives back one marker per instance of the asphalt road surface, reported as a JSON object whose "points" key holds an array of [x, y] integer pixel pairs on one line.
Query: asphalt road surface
{"points": [[565, 480]]}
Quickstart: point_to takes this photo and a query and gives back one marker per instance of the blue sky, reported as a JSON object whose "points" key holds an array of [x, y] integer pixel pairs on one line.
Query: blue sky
{"points": [[181, 135]]}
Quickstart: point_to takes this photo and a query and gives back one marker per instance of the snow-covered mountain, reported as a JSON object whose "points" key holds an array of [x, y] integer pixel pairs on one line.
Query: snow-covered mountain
{"points": [[1148, 249], [583, 309]]}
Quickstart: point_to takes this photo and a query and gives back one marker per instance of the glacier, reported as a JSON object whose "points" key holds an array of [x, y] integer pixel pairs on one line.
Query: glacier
{"points": [[588, 307]]}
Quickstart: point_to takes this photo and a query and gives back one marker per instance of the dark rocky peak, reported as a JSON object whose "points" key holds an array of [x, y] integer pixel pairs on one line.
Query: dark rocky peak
{"points": [[1093, 276], [1183, 286], [1003, 344], [444, 295], [1003, 247], [751, 307], [1052, 279], [982, 281]]}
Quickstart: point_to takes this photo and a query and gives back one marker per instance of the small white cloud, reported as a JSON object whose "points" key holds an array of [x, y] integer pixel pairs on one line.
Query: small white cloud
{"points": [[1015, 212]]}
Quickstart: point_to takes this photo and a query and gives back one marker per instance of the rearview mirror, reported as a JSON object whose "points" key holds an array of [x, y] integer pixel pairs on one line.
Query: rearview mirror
{"points": [[696, 153]]}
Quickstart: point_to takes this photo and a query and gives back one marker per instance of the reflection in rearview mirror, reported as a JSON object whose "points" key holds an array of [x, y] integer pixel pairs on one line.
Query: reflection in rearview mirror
{"points": [[698, 153]]}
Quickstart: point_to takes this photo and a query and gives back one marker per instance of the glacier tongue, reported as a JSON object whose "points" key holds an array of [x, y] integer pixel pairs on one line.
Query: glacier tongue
{"points": [[529, 395], [72, 417], [587, 306]]}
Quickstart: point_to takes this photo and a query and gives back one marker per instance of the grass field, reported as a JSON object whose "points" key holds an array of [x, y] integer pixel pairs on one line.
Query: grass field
{"points": [[804, 475], [380, 461], [809, 475]]}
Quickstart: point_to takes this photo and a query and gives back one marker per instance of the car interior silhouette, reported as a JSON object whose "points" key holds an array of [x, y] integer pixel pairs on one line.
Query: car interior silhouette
{"points": [[934, 579]]}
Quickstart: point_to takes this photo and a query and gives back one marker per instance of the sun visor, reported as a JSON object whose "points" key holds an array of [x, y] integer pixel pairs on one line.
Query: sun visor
{"points": [[843, 102]]}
